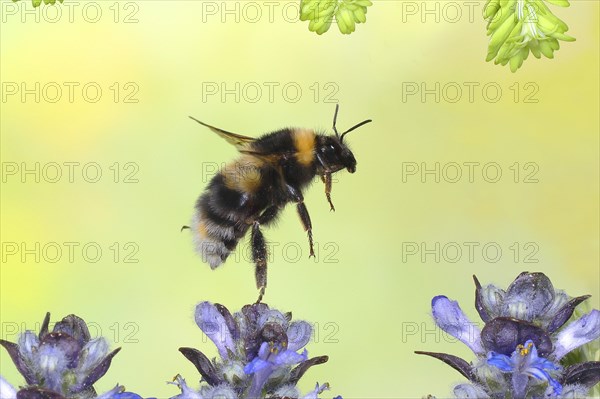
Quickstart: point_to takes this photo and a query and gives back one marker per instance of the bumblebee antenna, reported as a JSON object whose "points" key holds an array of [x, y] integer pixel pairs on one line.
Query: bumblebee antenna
{"points": [[354, 127], [337, 107]]}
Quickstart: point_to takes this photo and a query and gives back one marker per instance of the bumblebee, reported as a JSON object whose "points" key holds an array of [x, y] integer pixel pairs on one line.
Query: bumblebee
{"points": [[250, 192]]}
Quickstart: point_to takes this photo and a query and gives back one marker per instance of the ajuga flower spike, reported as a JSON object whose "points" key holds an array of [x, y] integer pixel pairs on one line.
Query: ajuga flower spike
{"points": [[62, 364], [261, 354], [520, 352]]}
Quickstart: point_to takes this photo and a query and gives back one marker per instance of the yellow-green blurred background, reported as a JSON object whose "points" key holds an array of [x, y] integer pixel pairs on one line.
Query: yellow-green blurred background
{"points": [[369, 298]]}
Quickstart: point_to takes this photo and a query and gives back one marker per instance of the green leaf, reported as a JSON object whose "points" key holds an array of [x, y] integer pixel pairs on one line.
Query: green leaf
{"points": [[560, 3], [37, 3], [523, 27], [320, 14]]}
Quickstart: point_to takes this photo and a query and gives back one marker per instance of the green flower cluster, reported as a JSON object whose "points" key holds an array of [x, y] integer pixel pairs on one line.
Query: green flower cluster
{"points": [[36, 3], [517, 27], [347, 14]]}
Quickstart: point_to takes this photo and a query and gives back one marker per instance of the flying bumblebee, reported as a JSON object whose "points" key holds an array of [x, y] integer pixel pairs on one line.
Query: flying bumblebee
{"points": [[250, 192]]}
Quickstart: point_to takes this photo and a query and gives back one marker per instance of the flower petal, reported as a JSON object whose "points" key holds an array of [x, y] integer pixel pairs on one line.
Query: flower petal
{"points": [[232, 372], [259, 379], [214, 325], [96, 373], [501, 362], [275, 333], [64, 344], [271, 333], [28, 342], [503, 334], [450, 318], [6, 390], [520, 383], [571, 391], [273, 316], [229, 320], [126, 395], [314, 394], [221, 392], [560, 299], [288, 358], [75, 327], [264, 350], [528, 296], [56, 354], [488, 300], [253, 313], [469, 391], [186, 392], [92, 353], [256, 365], [543, 375], [299, 334], [578, 333], [536, 361], [287, 391]]}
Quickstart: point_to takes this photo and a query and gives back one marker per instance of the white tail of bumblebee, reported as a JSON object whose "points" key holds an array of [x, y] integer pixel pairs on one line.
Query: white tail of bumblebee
{"points": [[208, 245]]}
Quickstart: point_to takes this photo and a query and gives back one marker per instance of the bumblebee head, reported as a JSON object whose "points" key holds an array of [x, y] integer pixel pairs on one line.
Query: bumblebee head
{"points": [[333, 153]]}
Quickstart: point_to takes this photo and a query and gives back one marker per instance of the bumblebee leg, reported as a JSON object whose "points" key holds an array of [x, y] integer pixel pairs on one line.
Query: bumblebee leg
{"points": [[259, 257], [306, 223], [259, 247], [327, 180], [297, 197], [269, 214]]}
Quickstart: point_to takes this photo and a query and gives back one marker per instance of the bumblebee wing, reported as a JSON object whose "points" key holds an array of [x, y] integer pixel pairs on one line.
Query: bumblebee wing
{"points": [[237, 140], [269, 158]]}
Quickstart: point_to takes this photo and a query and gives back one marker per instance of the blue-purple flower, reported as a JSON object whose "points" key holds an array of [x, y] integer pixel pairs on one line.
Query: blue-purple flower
{"points": [[271, 356], [522, 346], [260, 354], [64, 363], [524, 363], [7, 391]]}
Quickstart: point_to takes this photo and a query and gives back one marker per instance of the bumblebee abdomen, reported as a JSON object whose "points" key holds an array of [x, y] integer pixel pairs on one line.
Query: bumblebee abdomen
{"points": [[225, 211], [214, 241]]}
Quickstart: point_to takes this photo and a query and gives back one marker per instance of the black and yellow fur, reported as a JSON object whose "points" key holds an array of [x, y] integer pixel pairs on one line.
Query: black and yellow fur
{"points": [[250, 192]]}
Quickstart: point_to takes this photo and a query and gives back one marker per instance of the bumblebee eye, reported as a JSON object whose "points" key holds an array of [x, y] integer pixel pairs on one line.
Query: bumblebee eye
{"points": [[328, 149]]}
